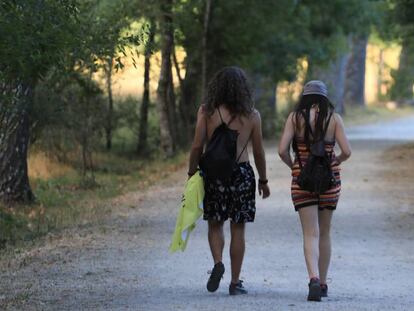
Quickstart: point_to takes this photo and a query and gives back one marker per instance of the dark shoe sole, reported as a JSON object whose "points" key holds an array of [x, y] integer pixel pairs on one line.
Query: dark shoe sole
{"points": [[324, 291], [237, 289], [238, 293], [214, 280], [314, 292]]}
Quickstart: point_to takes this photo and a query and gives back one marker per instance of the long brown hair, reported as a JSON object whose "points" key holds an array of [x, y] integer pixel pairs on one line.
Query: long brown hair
{"points": [[303, 108]]}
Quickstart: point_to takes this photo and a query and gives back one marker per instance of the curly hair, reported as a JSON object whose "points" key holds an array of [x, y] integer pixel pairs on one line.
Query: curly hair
{"points": [[229, 87]]}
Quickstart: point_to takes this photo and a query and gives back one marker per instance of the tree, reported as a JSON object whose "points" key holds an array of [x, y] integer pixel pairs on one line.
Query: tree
{"points": [[402, 89], [401, 14], [260, 40], [343, 68], [334, 75], [354, 93], [165, 92], [143, 115], [46, 30], [204, 40], [105, 22], [267, 43]]}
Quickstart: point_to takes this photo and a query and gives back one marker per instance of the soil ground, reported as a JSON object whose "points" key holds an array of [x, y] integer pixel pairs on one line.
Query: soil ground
{"points": [[124, 263]]}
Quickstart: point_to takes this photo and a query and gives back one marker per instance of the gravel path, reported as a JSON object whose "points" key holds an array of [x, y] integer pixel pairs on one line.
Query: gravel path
{"points": [[124, 264]]}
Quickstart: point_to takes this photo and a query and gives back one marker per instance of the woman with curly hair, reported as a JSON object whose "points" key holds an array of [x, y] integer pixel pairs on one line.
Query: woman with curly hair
{"points": [[229, 101]]}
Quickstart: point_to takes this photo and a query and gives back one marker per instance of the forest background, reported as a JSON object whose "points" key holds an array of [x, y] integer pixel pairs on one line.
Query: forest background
{"points": [[99, 97]]}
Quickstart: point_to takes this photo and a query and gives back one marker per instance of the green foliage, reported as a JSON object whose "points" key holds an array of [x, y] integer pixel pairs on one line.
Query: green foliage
{"points": [[402, 12], [126, 131], [328, 24], [12, 228], [106, 33], [36, 35], [401, 15], [70, 116]]}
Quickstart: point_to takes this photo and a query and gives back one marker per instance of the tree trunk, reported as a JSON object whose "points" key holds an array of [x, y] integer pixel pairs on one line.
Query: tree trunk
{"points": [[380, 74], [204, 47], [184, 138], [14, 143], [355, 73], [190, 95], [265, 99], [333, 75], [109, 116], [172, 109], [164, 104], [143, 115], [402, 90]]}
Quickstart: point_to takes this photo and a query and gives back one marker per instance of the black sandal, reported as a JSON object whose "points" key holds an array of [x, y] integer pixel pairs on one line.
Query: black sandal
{"points": [[237, 289], [215, 277], [314, 290], [324, 290]]}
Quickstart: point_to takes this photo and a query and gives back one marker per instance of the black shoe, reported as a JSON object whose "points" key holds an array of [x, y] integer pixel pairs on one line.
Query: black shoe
{"points": [[237, 289], [324, 290], [314, 290], [215, 277]]}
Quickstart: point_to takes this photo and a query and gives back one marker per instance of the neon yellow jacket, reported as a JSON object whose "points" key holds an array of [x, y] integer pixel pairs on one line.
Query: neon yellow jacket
{"points": [[190, 211]]}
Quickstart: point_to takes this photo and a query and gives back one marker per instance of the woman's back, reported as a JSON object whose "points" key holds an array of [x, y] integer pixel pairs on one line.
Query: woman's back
{"points": [[300, 123], [242, 124]]}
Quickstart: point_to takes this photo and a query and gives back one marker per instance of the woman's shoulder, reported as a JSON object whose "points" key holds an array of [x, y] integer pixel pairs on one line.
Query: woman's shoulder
{"points": [[202, 108], [337, 118], [203, 111], [255, 113], [254, 116]]}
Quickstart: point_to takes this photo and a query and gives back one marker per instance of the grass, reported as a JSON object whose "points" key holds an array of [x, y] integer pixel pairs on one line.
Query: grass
{"points": [[62, 201]]}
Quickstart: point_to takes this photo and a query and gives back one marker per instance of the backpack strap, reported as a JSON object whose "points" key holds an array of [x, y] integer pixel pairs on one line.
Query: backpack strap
{"points": [[295, 144], [307, 123], [231, 120], [222, 121], [296, 150], [244, 148], [325, 129]]}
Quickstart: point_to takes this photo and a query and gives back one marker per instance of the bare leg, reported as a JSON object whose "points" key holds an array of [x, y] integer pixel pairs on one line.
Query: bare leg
{"points": [[216, 240], [237, 247], [325, 218], [310, 227]]}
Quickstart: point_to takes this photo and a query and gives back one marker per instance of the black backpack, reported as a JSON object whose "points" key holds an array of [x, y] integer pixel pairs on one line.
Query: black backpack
{"points": [[316, 176], [219, 159]]}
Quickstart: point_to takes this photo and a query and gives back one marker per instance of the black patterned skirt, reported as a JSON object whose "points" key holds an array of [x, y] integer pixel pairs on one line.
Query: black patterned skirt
{"points": [[233, 198]]}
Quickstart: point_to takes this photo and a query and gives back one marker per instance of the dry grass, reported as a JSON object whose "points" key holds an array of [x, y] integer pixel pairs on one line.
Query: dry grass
{"points": [[63, 202], [43, 167]]}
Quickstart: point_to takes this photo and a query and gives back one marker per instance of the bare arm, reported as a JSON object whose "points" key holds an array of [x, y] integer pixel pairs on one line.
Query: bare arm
{"points": [[197, 146], [258, 150], [286, 140], [259, 156], [342, 140]]}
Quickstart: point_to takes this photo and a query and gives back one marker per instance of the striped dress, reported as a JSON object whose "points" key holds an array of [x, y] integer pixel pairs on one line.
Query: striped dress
{"points": [[302, 198]]}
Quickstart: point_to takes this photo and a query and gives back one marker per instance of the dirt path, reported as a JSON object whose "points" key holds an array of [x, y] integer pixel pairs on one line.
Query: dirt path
{"points": [[124, 264]]}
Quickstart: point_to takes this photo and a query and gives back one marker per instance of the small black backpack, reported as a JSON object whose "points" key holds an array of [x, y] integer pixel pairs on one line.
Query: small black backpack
{"points": [[316, 176], [219, 159]]}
